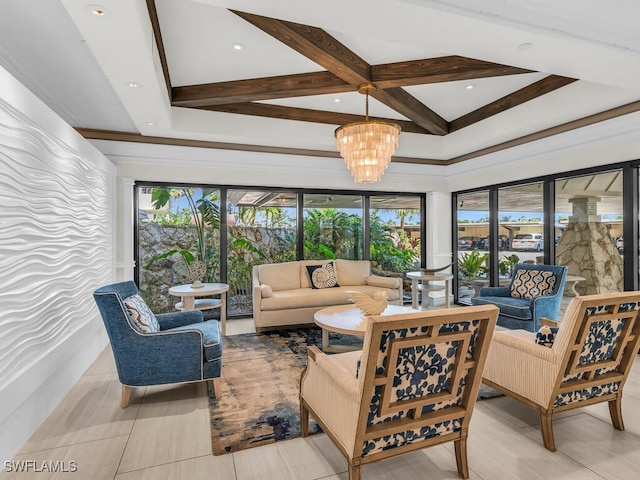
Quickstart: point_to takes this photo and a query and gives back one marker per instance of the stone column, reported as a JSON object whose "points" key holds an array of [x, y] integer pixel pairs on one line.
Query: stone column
{"points": [[587, 249]]}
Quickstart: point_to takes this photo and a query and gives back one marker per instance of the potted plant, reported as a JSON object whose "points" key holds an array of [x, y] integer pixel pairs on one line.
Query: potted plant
{"points": [[472, 265]]}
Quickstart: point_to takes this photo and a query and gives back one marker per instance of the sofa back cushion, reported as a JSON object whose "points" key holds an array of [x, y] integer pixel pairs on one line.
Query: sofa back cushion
{"points": [[353, 272], [280, 276]]}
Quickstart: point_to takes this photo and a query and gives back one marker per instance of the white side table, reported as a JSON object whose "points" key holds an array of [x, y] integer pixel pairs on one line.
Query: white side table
{"points": [[188, 295], [420, 281]]}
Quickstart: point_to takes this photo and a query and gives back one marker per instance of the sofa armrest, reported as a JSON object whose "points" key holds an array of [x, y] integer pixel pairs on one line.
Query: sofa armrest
{"points": [[384, 282], [495, 291], [178, 319]]}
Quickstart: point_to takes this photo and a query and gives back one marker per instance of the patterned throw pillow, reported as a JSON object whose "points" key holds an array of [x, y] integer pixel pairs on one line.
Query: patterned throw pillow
{"points": [[143, 318], [323, 276], [546, 335], [532, 283]]}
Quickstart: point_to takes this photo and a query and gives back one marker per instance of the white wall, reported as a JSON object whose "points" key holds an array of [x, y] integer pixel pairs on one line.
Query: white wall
{"points": [[56, 247]]}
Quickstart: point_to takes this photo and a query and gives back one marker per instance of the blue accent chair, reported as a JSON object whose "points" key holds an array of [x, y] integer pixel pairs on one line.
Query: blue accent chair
{"points": [[523, 313], [185, 349]]}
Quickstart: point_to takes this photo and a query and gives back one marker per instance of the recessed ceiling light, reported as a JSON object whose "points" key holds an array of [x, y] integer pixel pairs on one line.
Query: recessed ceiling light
{"points": [[134, 85], [152, 124], [98, 10], [524, 46], [337, 100], [237, 46], [471, 86]]}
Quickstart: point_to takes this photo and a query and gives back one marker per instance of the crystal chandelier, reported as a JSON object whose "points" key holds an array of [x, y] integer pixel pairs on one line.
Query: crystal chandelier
{"points": [[367, 146]]}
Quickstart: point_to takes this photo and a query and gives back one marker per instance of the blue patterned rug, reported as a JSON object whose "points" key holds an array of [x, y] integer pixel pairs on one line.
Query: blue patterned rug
{"points": [[260, 386]]}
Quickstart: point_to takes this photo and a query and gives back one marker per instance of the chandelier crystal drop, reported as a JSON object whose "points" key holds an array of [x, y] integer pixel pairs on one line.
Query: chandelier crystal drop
{"points": [[367, 146]]}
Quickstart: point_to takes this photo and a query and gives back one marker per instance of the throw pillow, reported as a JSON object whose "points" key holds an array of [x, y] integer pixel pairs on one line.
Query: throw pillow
{"points": [[323, 276], [546, 335], [143, 318], [532, 283]]}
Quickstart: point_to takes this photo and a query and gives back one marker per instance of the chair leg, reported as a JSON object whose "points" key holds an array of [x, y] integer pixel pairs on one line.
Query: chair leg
{"points": [[460, 447], [546, 427], [354, 471], [215, 384], [304, 420], [615, 410], [126, 395]]}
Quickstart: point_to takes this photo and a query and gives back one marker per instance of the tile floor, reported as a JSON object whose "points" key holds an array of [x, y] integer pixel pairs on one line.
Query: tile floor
{"points": [[164, 434]]}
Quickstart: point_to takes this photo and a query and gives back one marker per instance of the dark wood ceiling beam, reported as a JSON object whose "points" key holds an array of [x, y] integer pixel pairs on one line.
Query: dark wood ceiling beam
{"points": [[535, 90], [266, 88], [409, 106], [315, 44], [435, 70], [305, 115], [320, 47]]}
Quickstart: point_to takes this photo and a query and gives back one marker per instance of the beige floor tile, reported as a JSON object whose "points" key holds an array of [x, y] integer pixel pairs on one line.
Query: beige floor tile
{"points": [[201, 468], [498, 450], [433, 462], [630, 413], [172, 425], [90, 411], [103, 364], [296, 459], [237, 326], [516, 413], [96, 460], [613, 454]]}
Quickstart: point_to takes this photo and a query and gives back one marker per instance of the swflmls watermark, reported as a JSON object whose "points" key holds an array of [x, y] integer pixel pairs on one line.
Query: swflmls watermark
{"points": [[48, 466]]}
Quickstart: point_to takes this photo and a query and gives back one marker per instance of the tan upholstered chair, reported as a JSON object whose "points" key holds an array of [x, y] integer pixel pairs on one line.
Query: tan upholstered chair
{"points": [[588, 362], [413, 385]]}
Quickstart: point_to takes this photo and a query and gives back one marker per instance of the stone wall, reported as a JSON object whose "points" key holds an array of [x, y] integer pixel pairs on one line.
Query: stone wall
{"points": [[156, 239]]}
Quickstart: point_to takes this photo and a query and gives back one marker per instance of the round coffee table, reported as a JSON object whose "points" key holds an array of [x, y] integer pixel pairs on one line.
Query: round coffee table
{"points": [[349, 320]]}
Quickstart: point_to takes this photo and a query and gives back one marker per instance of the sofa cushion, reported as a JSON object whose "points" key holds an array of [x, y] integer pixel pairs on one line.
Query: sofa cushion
{"points": [[519, 308], [323, 276], [280, 276], [353, 272], [210, 338], [143, 318], [532, 283], [325, 297]]}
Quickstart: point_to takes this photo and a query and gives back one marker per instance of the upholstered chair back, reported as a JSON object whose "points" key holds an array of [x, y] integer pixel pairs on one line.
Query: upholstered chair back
{"points": [[419, 377], [599, 340]]}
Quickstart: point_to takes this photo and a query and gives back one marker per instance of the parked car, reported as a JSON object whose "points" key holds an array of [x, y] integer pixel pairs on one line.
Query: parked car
{"points": [[468, 243], [528, 241]]}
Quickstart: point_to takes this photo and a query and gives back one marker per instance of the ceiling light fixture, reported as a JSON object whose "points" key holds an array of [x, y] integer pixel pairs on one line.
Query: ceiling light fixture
{"points": [[471, 86], [134, 84], [98, 10], [337, 100], [237, 46], [152, 124], [524, 46], [367, 146]]}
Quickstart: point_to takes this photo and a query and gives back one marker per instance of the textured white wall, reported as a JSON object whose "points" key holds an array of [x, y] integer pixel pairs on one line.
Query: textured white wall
{"points": [[56, 247]]}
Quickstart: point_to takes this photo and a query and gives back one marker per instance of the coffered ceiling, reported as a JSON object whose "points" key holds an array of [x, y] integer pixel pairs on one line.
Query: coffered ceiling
{"points": [[462, 78]]}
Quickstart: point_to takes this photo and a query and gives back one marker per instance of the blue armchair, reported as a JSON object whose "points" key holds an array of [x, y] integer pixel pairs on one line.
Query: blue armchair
{"points": [[175, 347], [535, 292]]}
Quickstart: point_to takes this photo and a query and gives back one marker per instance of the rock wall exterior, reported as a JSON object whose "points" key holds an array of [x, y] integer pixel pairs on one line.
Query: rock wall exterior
{"points": [[587, 249]]}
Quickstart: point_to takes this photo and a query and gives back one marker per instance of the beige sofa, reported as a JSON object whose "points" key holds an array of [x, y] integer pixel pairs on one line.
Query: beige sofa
{"points": [[282, 293]]}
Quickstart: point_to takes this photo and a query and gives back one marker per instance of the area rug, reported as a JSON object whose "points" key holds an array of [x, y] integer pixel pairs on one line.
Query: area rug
{"points": [[260, 384]]}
